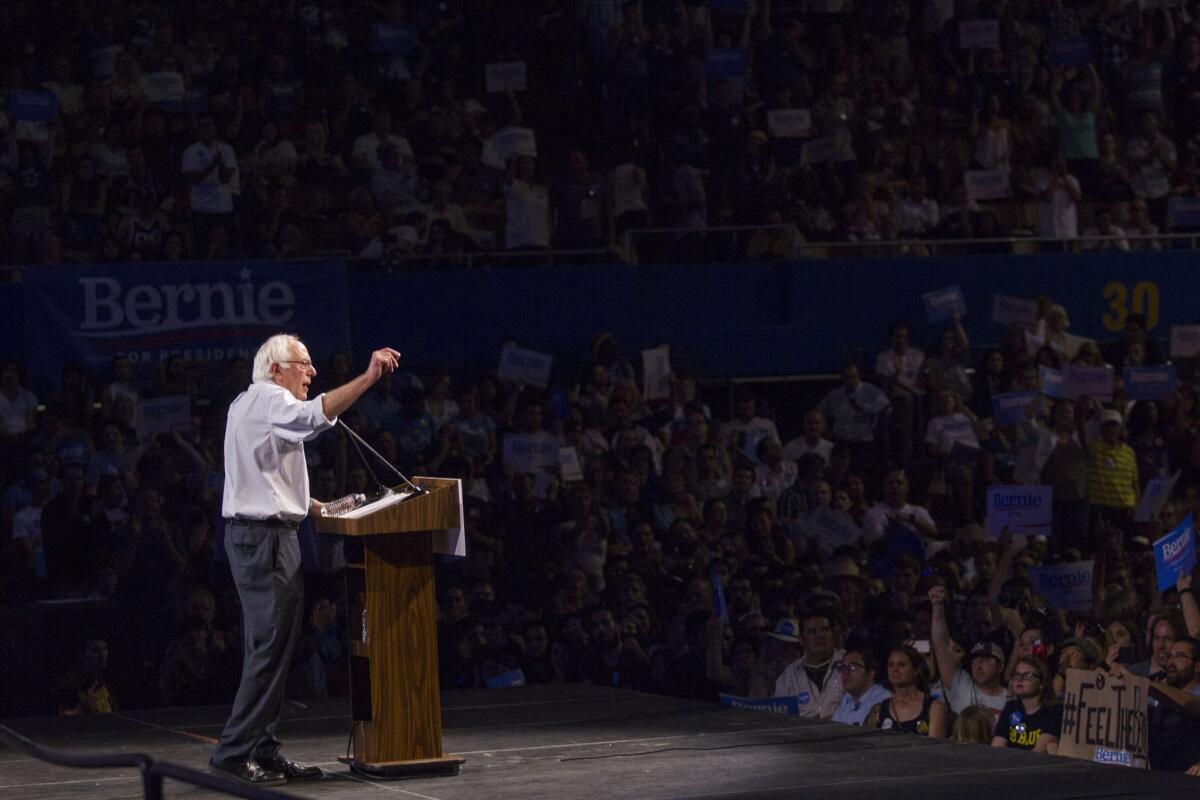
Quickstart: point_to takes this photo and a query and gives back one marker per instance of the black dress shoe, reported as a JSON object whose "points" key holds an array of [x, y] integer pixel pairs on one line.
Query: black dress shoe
{"points": [[253, 772], [289, 769]]}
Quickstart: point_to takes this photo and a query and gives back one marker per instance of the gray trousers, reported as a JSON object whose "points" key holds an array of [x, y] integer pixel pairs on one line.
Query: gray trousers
{"points": [[265, 562]]}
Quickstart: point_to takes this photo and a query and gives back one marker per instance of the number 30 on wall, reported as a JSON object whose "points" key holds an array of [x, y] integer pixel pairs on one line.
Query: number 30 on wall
{"points": [[1122, 302]]}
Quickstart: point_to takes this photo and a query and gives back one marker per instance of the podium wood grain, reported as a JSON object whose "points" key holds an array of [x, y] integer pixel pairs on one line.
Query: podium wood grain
{"points": [[405, 725]]}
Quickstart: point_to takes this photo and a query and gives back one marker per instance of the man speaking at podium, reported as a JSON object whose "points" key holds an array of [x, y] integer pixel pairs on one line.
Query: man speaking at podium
{"points": [[265, 499]]}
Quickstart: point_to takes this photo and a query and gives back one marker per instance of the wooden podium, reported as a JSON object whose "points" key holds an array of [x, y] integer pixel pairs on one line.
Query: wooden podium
{"points": [[394, 691]]}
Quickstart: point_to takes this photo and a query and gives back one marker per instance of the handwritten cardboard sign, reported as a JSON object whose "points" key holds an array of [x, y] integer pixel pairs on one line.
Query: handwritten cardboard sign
{"points": [[1105, 719]]}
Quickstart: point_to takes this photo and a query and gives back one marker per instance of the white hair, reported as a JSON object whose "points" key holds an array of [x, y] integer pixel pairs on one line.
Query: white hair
{"points": [[275, 350]]}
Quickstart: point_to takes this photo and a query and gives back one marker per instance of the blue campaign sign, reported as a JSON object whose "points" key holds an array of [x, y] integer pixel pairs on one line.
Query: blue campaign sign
{"points": [[725, 62], [1175, 554], [943, 304], [1083, 380], [507, 680], [718, 590], [32, 106], [780, 705], [1149, 383], [1184, 212], [1052, 381], [1067, 587], [201, 310], [1011, 408], [391, 39], [1022, 509]]}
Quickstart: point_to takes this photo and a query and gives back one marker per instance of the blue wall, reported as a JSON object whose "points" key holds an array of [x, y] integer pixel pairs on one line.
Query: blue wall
{"points": [[738, 319], [754, 318]]}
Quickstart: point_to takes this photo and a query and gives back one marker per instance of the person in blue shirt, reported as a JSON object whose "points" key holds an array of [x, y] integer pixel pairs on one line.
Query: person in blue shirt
{"points": [[859, 669]]}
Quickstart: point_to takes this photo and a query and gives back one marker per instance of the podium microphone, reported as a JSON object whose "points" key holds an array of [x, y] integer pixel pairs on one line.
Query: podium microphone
{"points": [[355, 439]]}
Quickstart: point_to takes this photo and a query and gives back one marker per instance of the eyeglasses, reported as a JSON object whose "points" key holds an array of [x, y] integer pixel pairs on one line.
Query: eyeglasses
{"points": [[305, 363], [1024, 676], [851, 667]]}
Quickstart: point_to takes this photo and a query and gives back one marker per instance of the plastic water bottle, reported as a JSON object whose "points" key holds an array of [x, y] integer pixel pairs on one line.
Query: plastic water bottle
{"points": [[335, 508]]}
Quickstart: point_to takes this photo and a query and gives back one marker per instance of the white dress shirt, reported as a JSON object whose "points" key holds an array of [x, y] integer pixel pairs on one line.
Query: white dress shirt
{"points": [[266, 476]]}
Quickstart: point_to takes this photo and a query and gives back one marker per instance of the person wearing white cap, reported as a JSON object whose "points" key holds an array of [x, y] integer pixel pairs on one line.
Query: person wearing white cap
{"points": [[1113, 486], [813, 679]]}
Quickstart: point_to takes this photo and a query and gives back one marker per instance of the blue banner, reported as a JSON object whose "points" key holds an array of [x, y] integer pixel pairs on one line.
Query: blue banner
{"points": [[202, 311], [1149, 383], [772, 318], [780, 705], [32, 106], [1175, 554], [1011, 408]]}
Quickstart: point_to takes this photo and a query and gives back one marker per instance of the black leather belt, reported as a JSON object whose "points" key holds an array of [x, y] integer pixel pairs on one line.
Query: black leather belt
{"points": [[270, 522]]}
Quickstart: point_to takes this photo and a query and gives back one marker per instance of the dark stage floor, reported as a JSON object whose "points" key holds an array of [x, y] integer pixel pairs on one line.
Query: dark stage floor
{"points": [[567, 742]]}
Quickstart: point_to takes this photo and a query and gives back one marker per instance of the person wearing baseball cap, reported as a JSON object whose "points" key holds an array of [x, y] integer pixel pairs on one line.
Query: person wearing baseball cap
{"points": [[780, 647], [978, 681], [1113, 486]]}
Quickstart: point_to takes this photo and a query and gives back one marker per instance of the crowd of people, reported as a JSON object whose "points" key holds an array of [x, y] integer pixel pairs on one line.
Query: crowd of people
{"points": [[697, 550], [282, 130]]}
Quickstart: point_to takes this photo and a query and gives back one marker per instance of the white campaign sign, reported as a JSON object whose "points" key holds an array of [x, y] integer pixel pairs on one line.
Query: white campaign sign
{"points": [[525, 366]]}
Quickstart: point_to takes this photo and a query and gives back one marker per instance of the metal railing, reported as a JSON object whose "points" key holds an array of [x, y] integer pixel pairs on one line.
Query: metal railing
{"points": [[732, 241], [153, 773]]}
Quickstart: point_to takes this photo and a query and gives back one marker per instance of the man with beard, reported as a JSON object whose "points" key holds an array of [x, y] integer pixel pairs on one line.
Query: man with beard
{"points": [[1174, 721], [977, 685], [609, 662]]}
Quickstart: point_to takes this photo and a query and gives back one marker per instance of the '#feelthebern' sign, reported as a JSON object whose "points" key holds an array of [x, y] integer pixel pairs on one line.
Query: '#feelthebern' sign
{"points": [[203, 311]]}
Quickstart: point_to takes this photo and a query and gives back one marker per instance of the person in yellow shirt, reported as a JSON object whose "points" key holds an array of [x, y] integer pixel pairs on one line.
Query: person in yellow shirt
{"points": [[1112, 473], [83, 689]]}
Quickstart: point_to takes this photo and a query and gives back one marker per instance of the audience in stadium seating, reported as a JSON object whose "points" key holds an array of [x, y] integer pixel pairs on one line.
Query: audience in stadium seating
{"points": [[697, 553], [861, 122], [612, 578]]}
